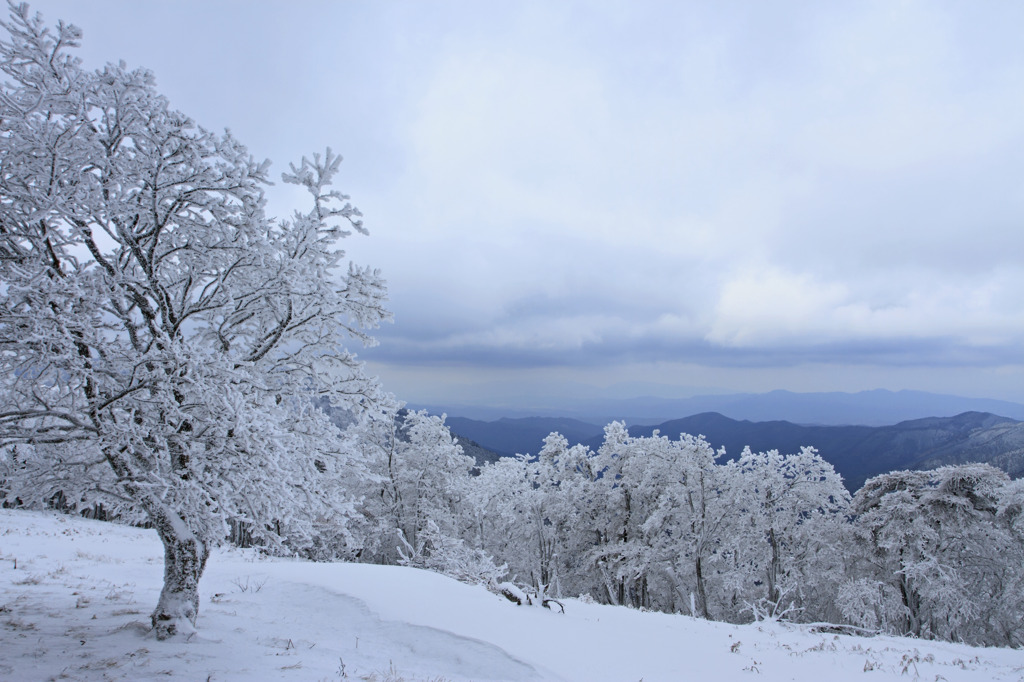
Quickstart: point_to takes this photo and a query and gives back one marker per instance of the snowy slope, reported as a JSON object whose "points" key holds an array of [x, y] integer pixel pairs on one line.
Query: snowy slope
{"points": [[75, 597]]}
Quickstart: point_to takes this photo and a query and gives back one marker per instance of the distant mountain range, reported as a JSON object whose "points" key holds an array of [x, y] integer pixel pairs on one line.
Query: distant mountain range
{"points": [[509, 437], [868, 408], [860, 452], [857, 452]]}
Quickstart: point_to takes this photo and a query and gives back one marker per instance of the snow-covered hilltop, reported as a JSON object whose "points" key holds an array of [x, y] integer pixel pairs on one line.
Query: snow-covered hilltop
{"points": [[75, 595]]}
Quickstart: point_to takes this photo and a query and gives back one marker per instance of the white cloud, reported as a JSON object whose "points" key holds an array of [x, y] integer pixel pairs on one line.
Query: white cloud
{"points": [[779, 308], [772, 307]]}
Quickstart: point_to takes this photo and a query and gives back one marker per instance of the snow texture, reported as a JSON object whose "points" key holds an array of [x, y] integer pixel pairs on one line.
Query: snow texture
{"points": [[74, 597]]}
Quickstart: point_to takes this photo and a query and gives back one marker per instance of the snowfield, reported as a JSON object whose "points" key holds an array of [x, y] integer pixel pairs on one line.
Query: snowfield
{"points": [[75, 598]]}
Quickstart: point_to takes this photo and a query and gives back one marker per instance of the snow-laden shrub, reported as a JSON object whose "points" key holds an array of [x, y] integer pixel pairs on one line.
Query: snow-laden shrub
{"points": [[436, 551], [866, 603]]}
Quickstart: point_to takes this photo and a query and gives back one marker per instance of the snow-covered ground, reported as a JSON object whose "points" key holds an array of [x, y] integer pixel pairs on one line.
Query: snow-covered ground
{"points": [[75, 597]]}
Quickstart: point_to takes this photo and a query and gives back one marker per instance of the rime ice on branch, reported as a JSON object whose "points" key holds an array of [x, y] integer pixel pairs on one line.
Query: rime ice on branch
{"points": [[162, 340]]}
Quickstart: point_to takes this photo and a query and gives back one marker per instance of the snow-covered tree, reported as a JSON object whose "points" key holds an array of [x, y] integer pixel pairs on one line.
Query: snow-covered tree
{"points": [[939, 555], [528, 513], [628, 485], [413, 489], [691, 523], [662, 514], [160, 336], [787, 506]]}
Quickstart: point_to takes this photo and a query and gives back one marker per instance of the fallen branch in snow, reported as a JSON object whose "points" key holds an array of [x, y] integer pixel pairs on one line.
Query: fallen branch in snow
{"points": [[549, 601], [836, 629], [511, 592], [519, 596]]}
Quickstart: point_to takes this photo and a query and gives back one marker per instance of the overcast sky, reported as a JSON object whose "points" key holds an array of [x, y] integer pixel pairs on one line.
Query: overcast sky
{"points": [[640, 197]]}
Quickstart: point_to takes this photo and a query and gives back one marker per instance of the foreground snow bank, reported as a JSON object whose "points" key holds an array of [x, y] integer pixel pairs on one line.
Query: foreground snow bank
{"points": [[75, 597]]}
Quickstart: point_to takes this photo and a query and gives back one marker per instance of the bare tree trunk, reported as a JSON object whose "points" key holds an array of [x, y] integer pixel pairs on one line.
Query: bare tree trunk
{"points": [[774, 568], [185, 558], [185, 555], [912, 602], [702, 595]]}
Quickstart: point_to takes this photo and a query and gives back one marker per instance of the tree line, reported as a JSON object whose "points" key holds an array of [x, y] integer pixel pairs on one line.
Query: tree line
{"points": [[669, 525]]}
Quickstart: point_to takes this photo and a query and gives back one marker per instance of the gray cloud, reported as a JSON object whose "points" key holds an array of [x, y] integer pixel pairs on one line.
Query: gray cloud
{"points": [[776, 196]]}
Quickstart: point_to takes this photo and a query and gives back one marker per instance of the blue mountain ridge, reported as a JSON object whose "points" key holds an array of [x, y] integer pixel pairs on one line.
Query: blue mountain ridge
{"points": [[856, 451]]}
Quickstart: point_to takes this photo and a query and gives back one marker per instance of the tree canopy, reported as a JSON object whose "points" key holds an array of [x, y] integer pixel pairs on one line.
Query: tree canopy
{"points": [[162, 339]]}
